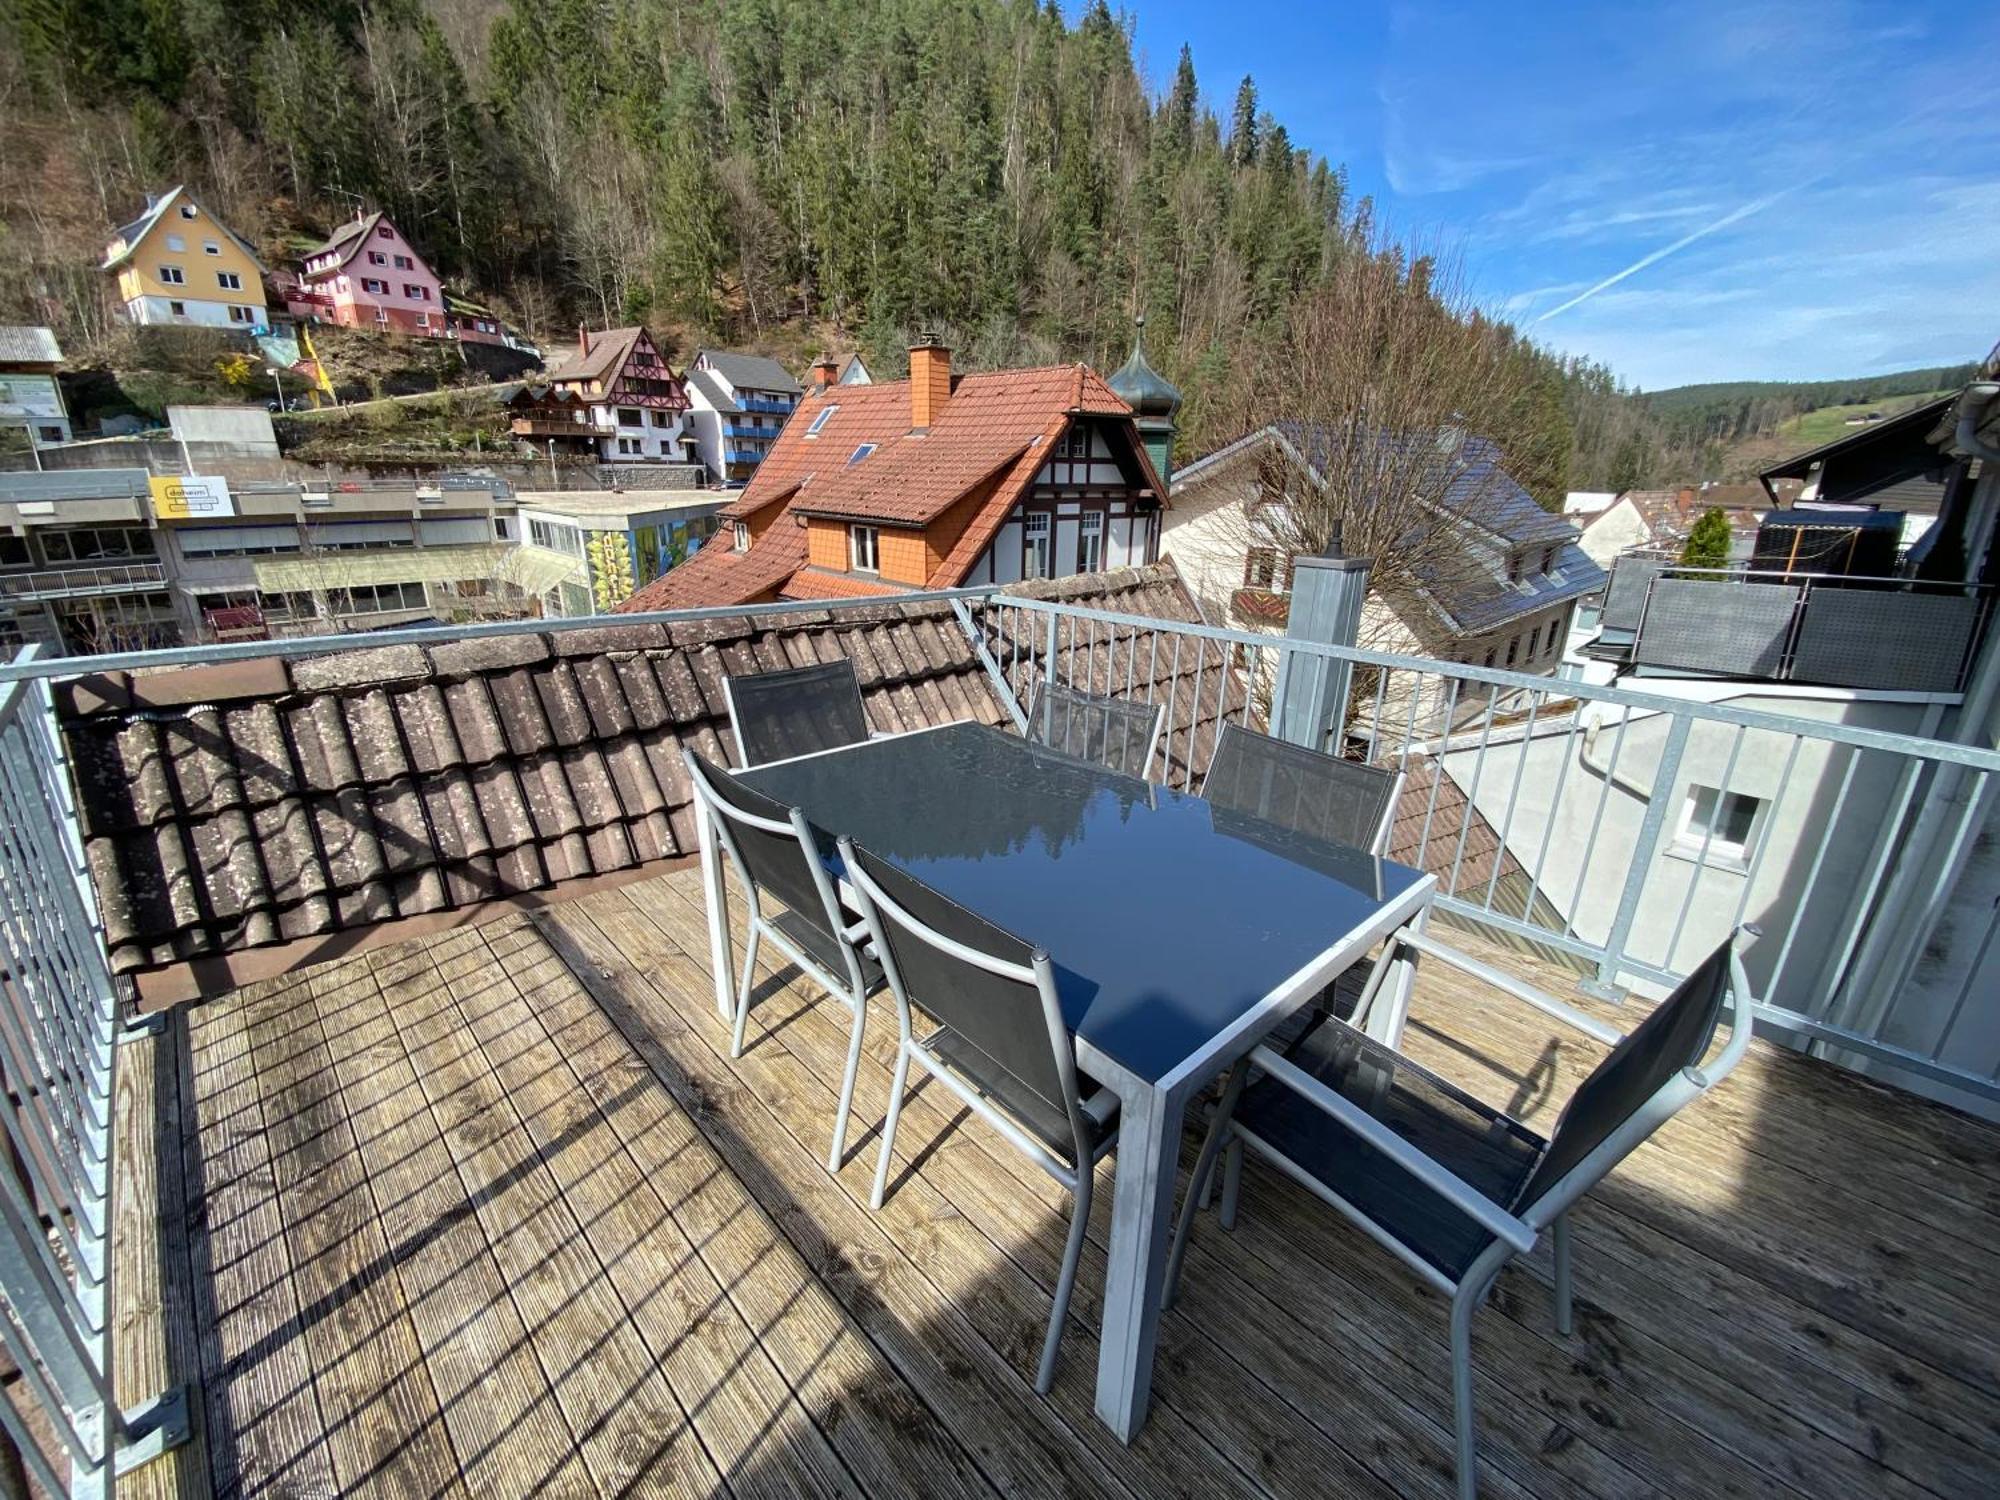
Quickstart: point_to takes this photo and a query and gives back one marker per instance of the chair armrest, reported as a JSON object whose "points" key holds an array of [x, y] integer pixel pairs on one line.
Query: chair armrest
{"points": [[1453, 1189], [1507, 984]]}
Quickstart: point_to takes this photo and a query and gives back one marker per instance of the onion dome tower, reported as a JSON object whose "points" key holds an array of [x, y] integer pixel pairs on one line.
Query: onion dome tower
{"points": [[1153, 401]]}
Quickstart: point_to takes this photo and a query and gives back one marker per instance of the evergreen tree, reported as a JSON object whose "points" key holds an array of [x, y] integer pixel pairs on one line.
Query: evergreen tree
{"points": [[1243, 126], [1708, 541]]}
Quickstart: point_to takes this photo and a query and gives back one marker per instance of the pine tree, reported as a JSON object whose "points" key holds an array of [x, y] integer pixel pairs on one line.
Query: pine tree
{"points": [[1243, 126], [1708, 541]]}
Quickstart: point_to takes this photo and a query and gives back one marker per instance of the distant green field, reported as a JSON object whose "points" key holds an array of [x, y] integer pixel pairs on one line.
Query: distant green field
{"points": [[1826, 423]]}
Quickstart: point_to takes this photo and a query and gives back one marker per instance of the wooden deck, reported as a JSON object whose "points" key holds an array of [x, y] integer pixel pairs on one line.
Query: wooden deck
{"points": [[492, 1213]]}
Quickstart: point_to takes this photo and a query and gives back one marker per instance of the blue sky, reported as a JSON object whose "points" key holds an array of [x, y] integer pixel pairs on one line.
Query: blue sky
{"points": [[1797, 189]]}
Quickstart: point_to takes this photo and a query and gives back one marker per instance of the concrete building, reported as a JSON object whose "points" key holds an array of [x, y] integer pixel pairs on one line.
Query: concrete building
{"points": [[612, 543], [177, 264], [739, 403], [31, 399], [125, 559]]}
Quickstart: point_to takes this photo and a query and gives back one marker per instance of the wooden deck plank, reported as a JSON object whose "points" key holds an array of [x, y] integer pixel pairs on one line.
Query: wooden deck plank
{"points": [[979, 1269], [155, 1345], [494, 1400], [753, 1430], [1021, 1447], [1252, 1354], [261, 1414], [632, 1432], [380, 1409]]}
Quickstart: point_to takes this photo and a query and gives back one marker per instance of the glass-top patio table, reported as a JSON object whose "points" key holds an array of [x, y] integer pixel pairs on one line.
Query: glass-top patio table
{"points": [[1181, 934]]}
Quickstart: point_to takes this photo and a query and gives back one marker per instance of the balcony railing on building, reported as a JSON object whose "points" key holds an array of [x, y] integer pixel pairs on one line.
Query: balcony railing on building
{"points": [[1829, 630], [82, 581]]}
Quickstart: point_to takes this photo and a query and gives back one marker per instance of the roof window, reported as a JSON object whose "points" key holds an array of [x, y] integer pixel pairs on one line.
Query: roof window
{"points": [[820, 420], [862, 452]]}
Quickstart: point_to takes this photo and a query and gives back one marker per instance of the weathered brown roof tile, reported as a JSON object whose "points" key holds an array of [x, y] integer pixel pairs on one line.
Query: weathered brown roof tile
{"points": [[351, 669]]}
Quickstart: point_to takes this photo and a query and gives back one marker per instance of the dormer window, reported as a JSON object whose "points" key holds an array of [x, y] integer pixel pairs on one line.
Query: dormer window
{"points": [[740, 537], [821, 420], [864, 549], [1549, 559]]}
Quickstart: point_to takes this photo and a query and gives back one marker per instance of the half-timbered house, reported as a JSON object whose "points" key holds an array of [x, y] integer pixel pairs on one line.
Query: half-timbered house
{"points": [[933, 482], [616, 386]]}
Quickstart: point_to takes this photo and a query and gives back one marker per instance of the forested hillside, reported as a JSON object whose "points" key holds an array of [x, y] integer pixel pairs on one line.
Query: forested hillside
{"points": [[1728, 411], [782, 174]]}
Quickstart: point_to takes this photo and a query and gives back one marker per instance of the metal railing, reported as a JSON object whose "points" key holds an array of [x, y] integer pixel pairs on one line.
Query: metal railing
{"points": [[83, 580], [1627, 832], [58, 1051]]}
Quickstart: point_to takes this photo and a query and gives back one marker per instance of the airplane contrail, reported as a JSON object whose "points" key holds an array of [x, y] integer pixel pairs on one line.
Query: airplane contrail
{"points": [[1734, 216]]}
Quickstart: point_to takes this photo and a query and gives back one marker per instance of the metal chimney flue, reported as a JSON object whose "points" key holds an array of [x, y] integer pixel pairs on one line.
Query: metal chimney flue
{"points": [[1309, 706]]}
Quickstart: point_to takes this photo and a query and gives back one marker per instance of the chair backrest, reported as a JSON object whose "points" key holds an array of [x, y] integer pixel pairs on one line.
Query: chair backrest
{"points": [[1634, 1090], [795, 711], [1305, 790], [763, 837], [1113, 732], [995, 991]]}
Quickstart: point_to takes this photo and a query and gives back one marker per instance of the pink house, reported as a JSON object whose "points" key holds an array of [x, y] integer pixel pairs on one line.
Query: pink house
{"points": [[368, 276]]}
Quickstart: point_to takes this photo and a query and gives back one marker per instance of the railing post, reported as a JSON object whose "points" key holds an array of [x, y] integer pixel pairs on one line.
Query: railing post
{"points": [[1666, 778]]}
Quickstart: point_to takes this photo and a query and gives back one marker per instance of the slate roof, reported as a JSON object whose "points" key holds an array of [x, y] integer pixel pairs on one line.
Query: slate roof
{"points": [[27, 345], [344, 241], [710, 388], [267, 803], [1474, 607], [135, 231], [750, 371], [990, 440]]}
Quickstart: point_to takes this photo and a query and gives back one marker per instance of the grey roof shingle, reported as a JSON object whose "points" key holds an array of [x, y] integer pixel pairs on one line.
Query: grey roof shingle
{"points": [[752, 371]]}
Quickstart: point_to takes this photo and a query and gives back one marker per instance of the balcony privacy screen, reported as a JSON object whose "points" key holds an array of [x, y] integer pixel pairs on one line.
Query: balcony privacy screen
{"points": [[1866, 638], [1625, 596], [1731, 629]]}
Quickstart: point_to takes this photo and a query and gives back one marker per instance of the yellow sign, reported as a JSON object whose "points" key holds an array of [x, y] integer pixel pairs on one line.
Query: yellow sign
{"points": [[195, 498]]}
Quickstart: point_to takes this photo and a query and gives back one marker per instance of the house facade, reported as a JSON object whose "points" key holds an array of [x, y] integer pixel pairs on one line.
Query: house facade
{"points": [[933, 482], [177, 264], [30, 397], [367, 275], [1515, 576], [613, 398], [739, 403], [612, 543]]}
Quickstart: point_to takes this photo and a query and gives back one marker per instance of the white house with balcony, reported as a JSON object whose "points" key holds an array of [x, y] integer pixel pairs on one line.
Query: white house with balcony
{"points": [[737, 406]]}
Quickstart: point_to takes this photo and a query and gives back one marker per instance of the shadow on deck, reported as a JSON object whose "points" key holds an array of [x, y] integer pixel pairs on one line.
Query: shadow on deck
{"points": [[492, 1213]]}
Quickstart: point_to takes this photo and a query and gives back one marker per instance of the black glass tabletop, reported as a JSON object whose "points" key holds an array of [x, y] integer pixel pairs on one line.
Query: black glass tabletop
{"points": [[1168, 919]]}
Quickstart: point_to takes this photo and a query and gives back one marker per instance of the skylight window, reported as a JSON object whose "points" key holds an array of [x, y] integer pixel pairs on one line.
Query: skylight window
{"points": [[820, 420], [860, 453]]}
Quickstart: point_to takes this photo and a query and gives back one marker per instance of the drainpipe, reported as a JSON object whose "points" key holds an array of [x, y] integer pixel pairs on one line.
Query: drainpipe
{"points": [[1309, 705]]}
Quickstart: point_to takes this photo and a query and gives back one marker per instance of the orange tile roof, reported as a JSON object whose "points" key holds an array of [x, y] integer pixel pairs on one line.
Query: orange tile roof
{"points": [[997, 423], [818, 583]]}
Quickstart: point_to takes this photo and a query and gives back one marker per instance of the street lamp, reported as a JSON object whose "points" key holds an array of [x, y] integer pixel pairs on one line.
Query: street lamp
{"points": [[272, 371], [555, 483]]}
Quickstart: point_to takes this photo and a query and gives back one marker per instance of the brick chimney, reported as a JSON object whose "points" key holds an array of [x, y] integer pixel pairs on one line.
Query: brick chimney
{"points": [[1685, 499], [824, 372], [930, 382], [582, 339]]}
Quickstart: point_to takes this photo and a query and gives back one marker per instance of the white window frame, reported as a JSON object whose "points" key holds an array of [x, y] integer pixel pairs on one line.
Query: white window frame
{"points": [[211, 247], [820, 420], [740, 536], [1090, 542], [1037, 544], [864, 549], [1722, 852], [172, 276]]}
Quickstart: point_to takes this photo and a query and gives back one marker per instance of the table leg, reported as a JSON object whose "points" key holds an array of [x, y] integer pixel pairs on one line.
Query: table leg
{"points": [[1149, 1148], [1384, 1021], [715, 900]]}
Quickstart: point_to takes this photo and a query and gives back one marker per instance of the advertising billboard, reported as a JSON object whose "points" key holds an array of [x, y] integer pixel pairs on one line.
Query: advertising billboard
{"points": [[195, 498]]}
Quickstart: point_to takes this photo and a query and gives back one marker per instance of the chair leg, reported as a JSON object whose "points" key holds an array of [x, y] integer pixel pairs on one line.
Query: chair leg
{"points": [[743, 995], [1463, 1304], [889, 1125], [835, 1155], [1204, 1176], [1232, 1181], [1079, 1221], [1564, 1320]]}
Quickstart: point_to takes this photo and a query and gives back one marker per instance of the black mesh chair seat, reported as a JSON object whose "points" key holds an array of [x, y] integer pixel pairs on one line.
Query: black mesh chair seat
{"points": [[1111, 732], [1045, 1119], [1338, 1001], [799, 928], [796, 711], [1469, 1139], [1305, 790]]}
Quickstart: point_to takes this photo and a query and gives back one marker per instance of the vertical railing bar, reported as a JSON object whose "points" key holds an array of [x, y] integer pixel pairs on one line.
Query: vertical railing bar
{"points": [[1437, 775], [1375, 723], [1194, 710], [1555, 802], [1972, 976], [64, 1129], [1764, 841], [1153, 669], [1812, 875], [30, 1449], [59, 925], [53, 1407], [1535, 701], [1912, 768], [1410, 727], [1470, 792], [26, 1249], [1596, 821], [37, 1063], [1666, 777], [1701, 865], [34, 1149]]}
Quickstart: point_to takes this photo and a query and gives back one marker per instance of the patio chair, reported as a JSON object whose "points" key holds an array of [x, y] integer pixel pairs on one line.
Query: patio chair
{"points": [[1305, 790], [999, 1044], [795, 711], [1113, 732], [775, 854], [1452, 1187]]}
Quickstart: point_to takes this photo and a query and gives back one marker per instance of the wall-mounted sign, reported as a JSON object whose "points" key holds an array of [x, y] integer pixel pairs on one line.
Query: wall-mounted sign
{"points": [[195, 498]]}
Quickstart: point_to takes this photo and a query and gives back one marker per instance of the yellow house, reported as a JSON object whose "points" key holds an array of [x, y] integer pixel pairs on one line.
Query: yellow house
{"points": [[176, 263]]}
